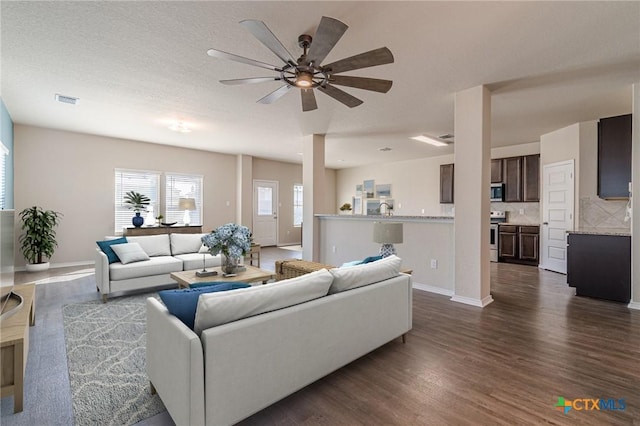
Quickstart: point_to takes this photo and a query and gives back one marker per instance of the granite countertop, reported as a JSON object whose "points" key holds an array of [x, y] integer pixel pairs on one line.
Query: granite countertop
{"points": [[378, 217], [602, 231], [519, 224]]}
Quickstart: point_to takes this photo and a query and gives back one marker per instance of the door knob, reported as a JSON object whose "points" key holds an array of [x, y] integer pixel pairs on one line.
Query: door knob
{"points": [[545, 223]]}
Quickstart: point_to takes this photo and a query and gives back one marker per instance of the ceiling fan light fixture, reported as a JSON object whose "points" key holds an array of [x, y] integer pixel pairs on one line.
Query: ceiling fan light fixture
{"points": [[304, 80], [429, 140]]}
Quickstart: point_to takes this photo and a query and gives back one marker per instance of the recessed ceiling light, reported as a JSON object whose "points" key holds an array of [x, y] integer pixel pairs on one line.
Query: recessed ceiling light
{"points": [[299, 153], [180, 127], [429, 140]]}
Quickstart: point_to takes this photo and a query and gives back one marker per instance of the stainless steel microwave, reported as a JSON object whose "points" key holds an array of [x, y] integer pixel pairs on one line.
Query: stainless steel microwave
{"points": [[497, 192]]}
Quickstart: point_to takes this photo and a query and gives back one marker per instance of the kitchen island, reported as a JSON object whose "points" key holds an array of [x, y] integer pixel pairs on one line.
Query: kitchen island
{"points": [[427, 247]]}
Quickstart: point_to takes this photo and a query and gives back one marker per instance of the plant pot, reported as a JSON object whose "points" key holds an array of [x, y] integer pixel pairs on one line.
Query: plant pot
{"points": [[229, 265], [37, 267], [137, 220]]}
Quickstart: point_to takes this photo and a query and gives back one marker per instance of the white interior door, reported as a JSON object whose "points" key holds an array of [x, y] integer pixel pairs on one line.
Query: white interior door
{"points": [[265, 212], [557, 215]]}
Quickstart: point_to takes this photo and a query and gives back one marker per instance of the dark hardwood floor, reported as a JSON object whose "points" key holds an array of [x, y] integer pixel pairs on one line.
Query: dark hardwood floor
{"points": [[505, 364]]}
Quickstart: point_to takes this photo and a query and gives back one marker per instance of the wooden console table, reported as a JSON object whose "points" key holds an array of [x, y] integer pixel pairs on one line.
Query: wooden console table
{"points": [[158, 230], [14, 346]]}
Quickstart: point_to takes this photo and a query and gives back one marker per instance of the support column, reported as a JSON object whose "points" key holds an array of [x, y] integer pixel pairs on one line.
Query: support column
{"points": [[313, 182], [635, 200], [244, 190], [472, 173]]}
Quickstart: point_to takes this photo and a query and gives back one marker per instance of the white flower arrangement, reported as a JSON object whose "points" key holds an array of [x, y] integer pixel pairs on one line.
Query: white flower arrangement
{"points": [[231, 239]]}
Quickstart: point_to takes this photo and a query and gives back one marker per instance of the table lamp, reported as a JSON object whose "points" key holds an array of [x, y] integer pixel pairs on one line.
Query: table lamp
{"points": [[387, 234], [187, 204]]}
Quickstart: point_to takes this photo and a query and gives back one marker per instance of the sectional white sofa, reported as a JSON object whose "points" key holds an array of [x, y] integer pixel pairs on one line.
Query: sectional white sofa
{"points": [[167, 253], [254, 346]]}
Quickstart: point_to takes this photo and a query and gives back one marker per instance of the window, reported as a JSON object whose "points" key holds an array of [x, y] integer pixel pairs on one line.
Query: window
{"points": [[4, 152], [145, 182], [297, 205], [182, 186]]}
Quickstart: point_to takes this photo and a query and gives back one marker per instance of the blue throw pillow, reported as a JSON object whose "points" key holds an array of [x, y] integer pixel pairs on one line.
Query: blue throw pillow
{"points": [[371, 259], [183, 303], [105, 246]]}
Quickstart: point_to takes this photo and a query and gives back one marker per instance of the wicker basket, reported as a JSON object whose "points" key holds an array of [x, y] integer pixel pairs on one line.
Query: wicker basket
{"points": [[290, 268]]}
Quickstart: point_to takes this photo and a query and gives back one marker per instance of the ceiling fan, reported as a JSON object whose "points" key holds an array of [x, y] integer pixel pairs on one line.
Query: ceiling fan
{"points": [[307, 73]]}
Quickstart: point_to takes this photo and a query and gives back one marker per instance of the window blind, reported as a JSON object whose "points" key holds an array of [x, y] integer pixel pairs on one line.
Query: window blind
{"points": [[4, 152], [178, 186], [145, 182], [297, 205]]}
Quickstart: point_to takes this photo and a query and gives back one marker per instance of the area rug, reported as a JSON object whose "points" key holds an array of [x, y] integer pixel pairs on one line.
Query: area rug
{"points": [[106, 359]]}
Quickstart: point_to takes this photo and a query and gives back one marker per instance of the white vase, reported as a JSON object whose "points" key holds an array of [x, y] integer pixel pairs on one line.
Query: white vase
{"points": [[37, 267]]}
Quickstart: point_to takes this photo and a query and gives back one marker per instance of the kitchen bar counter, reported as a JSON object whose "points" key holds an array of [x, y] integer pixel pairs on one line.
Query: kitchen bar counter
{"points": [[602, 231], [389, 218]]}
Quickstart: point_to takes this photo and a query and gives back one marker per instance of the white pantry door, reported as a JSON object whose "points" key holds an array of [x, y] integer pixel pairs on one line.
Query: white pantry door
{"points": [[557, 215], [265, 212]]}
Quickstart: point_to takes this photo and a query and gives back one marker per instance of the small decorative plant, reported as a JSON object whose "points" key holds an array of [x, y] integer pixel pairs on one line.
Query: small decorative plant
{"points": [[159, 217], [137, 202], [346, 207], [39, 237]]}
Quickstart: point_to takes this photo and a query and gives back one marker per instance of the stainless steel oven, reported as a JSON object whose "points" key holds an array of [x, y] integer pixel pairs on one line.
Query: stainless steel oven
{"points": [[494, 239]]}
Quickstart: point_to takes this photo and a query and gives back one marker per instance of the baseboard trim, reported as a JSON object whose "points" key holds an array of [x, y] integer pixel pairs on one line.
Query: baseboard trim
{"points": [[634, 305], [433, 289], [480, 303], [61, 265]]}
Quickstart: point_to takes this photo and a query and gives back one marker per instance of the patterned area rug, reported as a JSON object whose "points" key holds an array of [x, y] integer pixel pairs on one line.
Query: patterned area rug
{"points": [[107, 364]]}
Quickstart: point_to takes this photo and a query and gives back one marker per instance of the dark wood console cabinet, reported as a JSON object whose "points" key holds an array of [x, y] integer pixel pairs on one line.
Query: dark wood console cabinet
{"points": [[157, 230], [600, 266], [519, 244]]}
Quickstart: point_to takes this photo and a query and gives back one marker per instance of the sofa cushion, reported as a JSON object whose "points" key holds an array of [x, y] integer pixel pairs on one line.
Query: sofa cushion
{"points": [[129, 253], [221, 308], [153, 245], [157, 265], [365, 274], [185, 243], [182, 303], [194, 260], [105, 246]]}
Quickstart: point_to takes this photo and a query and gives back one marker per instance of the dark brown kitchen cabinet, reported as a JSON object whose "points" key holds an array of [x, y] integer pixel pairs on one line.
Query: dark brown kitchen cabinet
{"points": [[446, 184], [512, 179], [600, 266], [519, 244], [614, 156], [531, 178], [496, 170]]}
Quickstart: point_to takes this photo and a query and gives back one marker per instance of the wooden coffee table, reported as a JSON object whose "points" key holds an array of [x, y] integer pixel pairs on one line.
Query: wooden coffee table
{"points": [[251, 275]]}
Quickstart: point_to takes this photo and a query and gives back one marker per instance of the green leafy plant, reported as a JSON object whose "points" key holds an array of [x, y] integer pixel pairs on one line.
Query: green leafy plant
{"points": [[136, 201], [39, 237], [345, 207]]}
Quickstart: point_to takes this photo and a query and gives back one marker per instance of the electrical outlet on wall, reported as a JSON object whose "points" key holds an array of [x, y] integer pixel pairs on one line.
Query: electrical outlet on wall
{"points": [[434, 263]]}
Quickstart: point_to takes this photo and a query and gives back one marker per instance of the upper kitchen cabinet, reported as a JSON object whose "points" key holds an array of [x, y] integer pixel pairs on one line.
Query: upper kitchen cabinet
{"points": [[522, 178], [496, 170], [614, 156], [531, 178], [446, 183], [512, 179]]}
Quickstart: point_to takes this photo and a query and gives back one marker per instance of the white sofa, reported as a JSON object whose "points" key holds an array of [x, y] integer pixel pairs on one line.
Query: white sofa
{"points": [[230, 371], [167, 253]]}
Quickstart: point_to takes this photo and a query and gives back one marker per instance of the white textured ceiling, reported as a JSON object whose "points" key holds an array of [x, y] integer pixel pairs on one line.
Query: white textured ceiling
{"points": [[138, 66]]}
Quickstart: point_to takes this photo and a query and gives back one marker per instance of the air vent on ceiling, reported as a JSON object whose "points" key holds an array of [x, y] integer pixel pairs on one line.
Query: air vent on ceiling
{"points": [[67, 99], [385, 149], [447, 138]]}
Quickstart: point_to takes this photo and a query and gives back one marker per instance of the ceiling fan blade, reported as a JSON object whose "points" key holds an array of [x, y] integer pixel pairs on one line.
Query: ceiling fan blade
{"points": [[375, 84], [340, 95], [327, 35], [230, 56], [237, 81], [266, 37], [372, 58], [308, 100], [275, 95]]}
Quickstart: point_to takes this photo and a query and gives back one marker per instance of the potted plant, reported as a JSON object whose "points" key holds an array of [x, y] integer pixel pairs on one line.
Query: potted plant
{"points": [[345, 208], [138, 203], [39, 237]]}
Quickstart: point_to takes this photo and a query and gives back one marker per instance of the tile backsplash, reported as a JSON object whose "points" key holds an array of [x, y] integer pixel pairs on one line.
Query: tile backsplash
{"points": [[521, 213], [598, 213]]}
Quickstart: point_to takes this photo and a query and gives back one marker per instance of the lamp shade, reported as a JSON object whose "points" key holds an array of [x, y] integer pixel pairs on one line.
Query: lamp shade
{"points": [[187, 204], [387, 232]]}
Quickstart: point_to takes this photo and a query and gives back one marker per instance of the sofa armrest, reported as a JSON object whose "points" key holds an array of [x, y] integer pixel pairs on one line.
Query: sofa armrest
{"points": [[175, 365], [102, 272]]}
